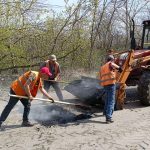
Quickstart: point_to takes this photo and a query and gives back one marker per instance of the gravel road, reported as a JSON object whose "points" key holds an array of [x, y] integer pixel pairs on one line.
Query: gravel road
{"points": [[130, 131]]}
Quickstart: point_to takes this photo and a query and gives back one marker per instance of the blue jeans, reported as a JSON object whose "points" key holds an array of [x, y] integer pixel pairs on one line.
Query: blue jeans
{"points": [[110, 91]]}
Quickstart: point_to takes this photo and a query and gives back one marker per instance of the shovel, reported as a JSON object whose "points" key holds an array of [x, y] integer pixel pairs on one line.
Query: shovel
{"points": [[59, 81], [47, 100]]}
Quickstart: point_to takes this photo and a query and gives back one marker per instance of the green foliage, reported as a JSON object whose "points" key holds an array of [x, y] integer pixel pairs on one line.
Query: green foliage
{"points": [[78, 35]]}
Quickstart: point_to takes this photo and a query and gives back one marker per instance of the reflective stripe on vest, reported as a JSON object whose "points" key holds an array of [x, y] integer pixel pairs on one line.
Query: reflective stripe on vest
{"points": [[21, 85], [56, 66], [107, 80], [18, 85], [107, 76]]}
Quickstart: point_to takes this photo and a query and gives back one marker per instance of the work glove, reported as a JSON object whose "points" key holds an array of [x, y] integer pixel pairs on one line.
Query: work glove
{"points": [[120, 69], [55, 79], [30, 98], [51, 99]]}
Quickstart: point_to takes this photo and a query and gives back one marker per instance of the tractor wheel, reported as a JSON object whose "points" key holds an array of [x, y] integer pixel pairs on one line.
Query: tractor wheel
{"points": [[144, 88]]}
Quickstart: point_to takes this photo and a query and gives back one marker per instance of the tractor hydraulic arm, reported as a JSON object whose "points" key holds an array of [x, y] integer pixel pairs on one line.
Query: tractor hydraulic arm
{"points": [[121, 79], [130, 63]]}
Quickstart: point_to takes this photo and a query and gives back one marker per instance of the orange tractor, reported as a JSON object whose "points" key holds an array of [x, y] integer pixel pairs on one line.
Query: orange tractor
{"points": [[136, 67], [136, 71]]}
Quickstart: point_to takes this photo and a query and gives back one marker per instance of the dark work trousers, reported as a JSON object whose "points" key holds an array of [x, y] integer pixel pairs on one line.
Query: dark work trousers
{"points": [[55, 85], [11, 103]]}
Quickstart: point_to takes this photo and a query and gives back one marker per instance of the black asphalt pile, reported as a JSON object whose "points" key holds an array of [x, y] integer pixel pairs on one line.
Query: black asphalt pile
{"points": [[49, 115], [87, 90]]}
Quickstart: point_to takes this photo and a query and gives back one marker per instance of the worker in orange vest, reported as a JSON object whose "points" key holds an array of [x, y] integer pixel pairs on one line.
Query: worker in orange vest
{"points": [[108, 81], [26, 85], [53, 80]]}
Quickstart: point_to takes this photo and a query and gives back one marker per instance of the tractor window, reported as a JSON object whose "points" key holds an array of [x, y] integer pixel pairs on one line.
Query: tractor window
{"points": [[146, 44]]}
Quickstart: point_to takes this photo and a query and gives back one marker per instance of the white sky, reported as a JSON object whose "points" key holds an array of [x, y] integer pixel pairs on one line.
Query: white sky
{"points": [[60, 2], [56, 5]]}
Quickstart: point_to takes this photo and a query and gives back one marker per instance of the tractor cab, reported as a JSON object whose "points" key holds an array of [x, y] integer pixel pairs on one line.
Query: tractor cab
{"points": [[145, 40], [141, 51], [145, 44]]}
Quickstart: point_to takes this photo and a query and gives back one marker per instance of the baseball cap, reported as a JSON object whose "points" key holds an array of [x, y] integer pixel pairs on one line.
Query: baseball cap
{"points": [[110, 58], [53, 57], [45, 70]]}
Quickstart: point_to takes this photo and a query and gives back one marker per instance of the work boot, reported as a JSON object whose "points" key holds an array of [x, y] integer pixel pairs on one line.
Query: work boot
{"points": [[109, 121], [27, 124], [104, 113], [2, 128]]}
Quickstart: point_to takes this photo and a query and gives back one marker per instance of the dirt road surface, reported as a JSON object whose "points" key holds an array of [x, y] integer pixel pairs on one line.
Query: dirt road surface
{"points": [[130, 131]]}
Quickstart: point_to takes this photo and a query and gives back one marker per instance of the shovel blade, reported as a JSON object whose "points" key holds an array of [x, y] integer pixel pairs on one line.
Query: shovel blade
{"points": [[87, 90]]}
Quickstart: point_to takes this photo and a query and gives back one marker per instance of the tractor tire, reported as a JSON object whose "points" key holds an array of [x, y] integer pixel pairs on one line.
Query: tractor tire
{"points": [[144, 88]]}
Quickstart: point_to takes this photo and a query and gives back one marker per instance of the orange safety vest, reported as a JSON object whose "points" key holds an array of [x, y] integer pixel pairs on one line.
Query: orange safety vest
{"points": [[56, 66], [18, 85], [107, 76]]}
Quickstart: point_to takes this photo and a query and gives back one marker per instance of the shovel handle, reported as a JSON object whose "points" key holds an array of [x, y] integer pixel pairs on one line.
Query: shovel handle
{"points": [[47, 100], [58, 81]]}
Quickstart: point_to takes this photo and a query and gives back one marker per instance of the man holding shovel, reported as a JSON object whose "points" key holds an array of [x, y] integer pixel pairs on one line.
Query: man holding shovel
{"points": [[108, 81], [26, 85], [54, 68]]}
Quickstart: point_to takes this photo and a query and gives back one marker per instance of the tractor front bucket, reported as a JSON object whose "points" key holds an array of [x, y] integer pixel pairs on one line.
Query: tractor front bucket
{"points": [[87, 89]]}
